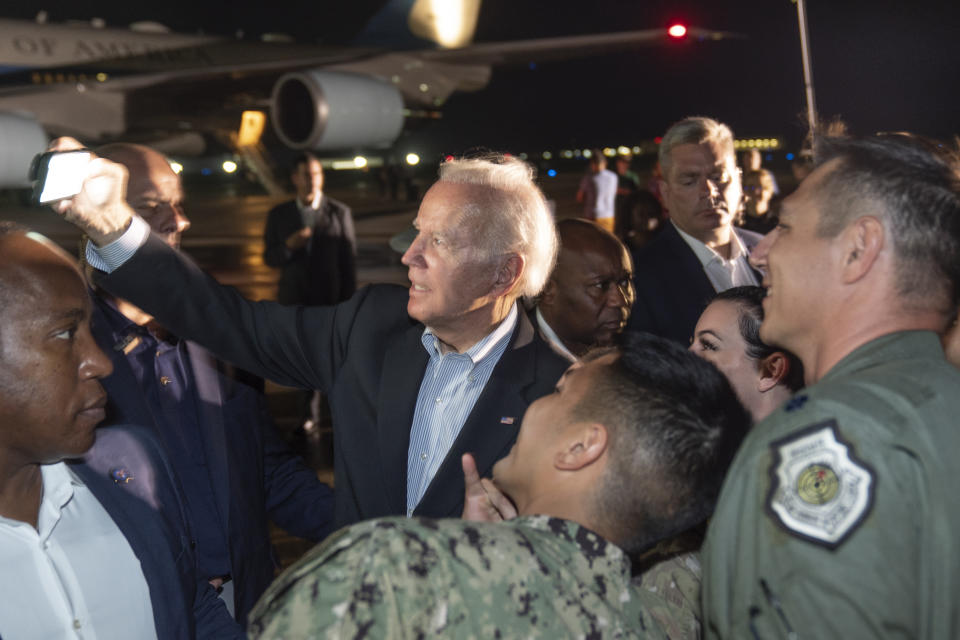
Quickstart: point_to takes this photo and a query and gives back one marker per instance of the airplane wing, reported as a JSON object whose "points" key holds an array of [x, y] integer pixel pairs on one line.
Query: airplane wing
{"points": [[98, 84]]}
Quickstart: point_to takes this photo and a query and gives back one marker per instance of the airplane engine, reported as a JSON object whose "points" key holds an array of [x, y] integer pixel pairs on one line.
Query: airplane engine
{"points": [[21, 138], [333, 110]]}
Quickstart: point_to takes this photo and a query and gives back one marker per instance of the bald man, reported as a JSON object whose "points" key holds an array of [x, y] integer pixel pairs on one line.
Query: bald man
{"points": [[93, 542], [236, 471], [587, 300]]}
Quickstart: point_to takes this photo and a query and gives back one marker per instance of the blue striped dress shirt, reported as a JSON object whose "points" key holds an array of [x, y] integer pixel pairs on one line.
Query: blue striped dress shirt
{"points": [[450, 387]]}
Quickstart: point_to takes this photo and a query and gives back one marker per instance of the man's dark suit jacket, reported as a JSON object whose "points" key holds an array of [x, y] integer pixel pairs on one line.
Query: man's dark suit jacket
{"points": [[254, 476], [366, 354], [672, 287], [148, 509], [323, 272]]}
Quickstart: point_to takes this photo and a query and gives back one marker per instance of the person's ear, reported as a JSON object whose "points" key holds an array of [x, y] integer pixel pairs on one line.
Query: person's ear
{"points": [[863, 242], [773, 369], [586, 444], [508, 274], [549, 292]]}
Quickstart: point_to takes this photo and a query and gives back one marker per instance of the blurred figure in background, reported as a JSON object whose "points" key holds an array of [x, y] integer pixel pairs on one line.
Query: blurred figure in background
{"points": [[598, 192]]}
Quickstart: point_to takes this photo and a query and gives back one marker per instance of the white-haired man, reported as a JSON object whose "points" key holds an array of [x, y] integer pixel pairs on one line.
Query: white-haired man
{"points": [[415, 378]]}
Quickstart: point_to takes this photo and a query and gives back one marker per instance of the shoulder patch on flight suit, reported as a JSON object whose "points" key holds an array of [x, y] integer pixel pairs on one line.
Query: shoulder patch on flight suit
{"points": [[819, 490]]}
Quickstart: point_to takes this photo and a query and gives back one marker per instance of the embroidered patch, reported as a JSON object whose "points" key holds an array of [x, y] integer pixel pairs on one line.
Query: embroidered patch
{"points": [[819, 490]]}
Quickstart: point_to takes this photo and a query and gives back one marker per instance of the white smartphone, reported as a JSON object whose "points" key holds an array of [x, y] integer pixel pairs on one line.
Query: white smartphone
{"points": [[59, 174]]}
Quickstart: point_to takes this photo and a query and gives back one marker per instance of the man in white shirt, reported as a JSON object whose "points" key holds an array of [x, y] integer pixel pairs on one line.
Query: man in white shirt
{"points": [[598, 192], [700, 252], [89, 548]]}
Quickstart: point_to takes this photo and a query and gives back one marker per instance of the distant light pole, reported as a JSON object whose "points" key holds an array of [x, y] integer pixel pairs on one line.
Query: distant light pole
{"points": [[807, 68]]}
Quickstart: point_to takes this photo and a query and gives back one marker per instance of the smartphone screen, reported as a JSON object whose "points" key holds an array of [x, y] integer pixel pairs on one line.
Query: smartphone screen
{"points": [[60, 175]]}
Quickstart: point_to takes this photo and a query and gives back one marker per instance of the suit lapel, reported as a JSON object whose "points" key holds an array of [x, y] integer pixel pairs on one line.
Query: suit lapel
{"points": [[691, 279], [490, 428], [210, 419], [403, 367]]}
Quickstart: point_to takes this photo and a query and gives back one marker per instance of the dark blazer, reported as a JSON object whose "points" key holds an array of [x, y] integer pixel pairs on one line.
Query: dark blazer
{"points": [[366, 354], [672, 287], [149, 511], [254, 476], [323, 272]]}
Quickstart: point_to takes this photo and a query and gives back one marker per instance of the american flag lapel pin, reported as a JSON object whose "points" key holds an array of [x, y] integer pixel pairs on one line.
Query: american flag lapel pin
{"points": [[507, 420]]}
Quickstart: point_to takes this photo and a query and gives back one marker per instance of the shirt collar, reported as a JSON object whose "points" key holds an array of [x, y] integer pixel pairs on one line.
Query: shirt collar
{"points": [[551, 336], [310, 205], [706, 255], [481, 349]]}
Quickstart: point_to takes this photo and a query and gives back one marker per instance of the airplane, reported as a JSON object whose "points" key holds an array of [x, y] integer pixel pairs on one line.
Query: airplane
{"points": [[171, 90]]}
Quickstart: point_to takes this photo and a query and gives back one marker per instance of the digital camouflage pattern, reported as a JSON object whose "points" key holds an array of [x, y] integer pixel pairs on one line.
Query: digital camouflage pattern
{"points": [[531, 577], [675, 582], [840, 513]]}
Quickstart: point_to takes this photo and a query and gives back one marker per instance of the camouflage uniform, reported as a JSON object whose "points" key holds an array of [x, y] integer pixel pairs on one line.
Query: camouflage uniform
{"points": [[675, 582], [531, 577], [840, 513]]}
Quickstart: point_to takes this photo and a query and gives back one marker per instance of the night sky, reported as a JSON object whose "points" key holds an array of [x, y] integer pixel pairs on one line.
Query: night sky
{"points": [[881, 65]]}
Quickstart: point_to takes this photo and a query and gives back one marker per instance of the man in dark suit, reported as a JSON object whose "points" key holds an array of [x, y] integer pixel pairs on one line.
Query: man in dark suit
{"points": [[700, 253], [416, 377], [311, 239], [236, 472], [588, 297], [97, 546]]}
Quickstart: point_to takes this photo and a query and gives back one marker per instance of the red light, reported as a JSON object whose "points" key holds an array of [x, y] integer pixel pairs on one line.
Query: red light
{"points": [[677, 31], [658, 140], [448, 159]]}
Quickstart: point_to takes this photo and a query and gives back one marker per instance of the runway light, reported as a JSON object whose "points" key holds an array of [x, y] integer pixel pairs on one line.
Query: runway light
{"points": [[790, 156], [637, 150], [177, 167], [205, 171], [522, 156], [424, 87], [229, 166], [609, 152], [552, 173], [623, 151], [587, 153], [658, 140], [359, 162], [448, 159], [413, 159], [546, 155], [677, 31], [101, 77]]}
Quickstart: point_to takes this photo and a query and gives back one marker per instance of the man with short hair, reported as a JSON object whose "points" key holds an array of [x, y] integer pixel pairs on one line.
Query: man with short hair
{"points": [[311, 239], [415, 377], [237, 473], [93, 538], [700, 253], [839, 516], [598, 192], [588, 297], [629, 450]]}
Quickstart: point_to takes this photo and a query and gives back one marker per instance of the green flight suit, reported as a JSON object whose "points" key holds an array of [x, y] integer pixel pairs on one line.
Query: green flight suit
{"points": [[840, 514], [531, 577]]}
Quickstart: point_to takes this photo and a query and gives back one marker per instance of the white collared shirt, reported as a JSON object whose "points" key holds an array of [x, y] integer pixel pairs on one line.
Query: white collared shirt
{"points": [[552, 338], [75, 575], [723, 274]]}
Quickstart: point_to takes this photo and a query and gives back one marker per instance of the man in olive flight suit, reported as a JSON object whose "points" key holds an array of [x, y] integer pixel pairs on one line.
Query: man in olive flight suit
{"points": [[840, 513]]}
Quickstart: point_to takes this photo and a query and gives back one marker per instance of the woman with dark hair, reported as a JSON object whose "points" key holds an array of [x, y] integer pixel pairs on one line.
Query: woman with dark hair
{"points": [[728, 335]]}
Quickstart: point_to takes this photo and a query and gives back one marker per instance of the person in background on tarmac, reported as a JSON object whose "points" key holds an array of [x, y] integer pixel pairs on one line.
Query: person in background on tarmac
{"points": [[598, 192], [311, 240]]}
